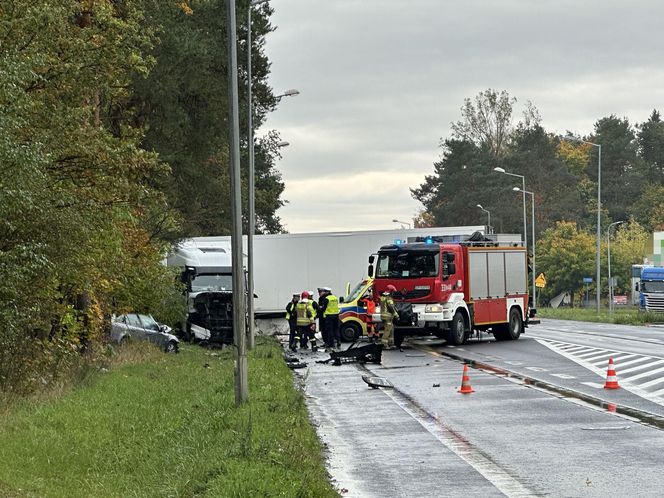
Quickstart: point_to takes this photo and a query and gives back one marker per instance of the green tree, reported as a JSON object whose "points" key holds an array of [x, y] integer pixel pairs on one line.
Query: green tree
{"points": [[566, 255], [649, 207], [650, 138], [183, 103], [622, 168], [78, 204], [628, 247]]}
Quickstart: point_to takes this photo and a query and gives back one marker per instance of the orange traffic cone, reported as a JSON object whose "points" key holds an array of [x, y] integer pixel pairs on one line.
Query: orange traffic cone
{"points": [[611, 379], [465, 382]]}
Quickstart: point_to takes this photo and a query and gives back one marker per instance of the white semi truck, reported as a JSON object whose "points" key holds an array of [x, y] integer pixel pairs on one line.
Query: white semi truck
{"points": [[206, 270]]}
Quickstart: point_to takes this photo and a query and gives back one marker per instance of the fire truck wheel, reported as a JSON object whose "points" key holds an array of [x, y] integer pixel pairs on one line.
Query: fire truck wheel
{"points": [[350, 332], [515, 325], [457, 333]]}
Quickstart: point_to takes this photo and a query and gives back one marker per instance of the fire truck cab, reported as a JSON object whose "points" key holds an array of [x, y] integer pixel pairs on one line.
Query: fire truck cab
{"points": [[451, 289]]}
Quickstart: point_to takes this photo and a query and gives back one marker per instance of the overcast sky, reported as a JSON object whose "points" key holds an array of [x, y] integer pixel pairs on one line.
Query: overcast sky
{"points": [[381, 81]]}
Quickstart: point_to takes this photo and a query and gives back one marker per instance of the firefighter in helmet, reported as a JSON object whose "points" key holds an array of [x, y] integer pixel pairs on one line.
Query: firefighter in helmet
{"points": [[388, 313], [305, 318]]}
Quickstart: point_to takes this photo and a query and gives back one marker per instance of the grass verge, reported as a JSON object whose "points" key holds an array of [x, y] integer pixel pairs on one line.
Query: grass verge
{"points": [[619, 316], [167, 427]]}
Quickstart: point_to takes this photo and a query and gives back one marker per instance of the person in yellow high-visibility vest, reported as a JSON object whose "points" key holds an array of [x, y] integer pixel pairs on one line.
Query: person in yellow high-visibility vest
{"points": [[330, 310], [388, 313], [305, 318]]}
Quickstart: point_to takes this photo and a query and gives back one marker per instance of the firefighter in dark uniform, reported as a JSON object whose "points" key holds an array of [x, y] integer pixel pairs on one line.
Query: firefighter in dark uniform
{"points": [[330, 311], [320, 309], [291, 316]]}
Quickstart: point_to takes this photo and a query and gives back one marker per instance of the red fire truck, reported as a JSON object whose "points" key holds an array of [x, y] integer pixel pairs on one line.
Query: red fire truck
{"points": [[451, 289]]}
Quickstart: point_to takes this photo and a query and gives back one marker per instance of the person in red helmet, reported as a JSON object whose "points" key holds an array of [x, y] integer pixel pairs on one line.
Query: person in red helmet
{"points": [[388, 313]]}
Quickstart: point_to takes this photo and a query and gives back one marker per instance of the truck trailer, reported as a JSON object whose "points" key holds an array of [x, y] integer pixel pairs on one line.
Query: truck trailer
{"points": [[452, 289], [288, 263]]}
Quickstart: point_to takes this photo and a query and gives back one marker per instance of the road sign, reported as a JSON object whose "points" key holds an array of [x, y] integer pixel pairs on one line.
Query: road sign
{"points": [[620, 299], [587, 280], [540, 281]]}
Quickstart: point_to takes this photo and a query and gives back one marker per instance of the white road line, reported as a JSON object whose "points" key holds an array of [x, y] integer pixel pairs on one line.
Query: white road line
{"points": [[633, 362], [590, 354], [593, 359], [577, 349], [593, 384], [491, 471], [651, 383], [640, 367], [641, 375], [658, 393], [564, 376]]}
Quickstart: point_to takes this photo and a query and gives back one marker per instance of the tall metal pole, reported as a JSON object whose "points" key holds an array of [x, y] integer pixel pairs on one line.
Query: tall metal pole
{"points": [[239, 299], [608, 257], [525, 237], [599, 211], [251, 193], [532, 198]]}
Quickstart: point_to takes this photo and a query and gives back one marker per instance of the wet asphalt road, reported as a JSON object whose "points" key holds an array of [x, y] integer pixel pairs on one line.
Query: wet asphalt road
{"points": [[507, 438]]}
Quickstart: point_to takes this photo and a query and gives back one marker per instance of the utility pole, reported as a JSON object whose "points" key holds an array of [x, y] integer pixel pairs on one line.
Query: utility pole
{"points": [[239, 296]]}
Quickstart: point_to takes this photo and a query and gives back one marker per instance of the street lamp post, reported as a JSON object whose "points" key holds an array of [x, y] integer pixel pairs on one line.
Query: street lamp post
{"points": [[532, 214], [488, 215], [251, 183], [608, 250], [599, 209], [402, 222], [240, 337], [523, 186]]}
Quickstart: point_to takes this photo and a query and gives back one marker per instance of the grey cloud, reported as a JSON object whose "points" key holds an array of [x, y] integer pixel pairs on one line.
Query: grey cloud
{"points": [[382, 80]]}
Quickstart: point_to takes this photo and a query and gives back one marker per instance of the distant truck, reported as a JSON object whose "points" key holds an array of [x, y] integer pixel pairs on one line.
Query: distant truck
{"points": [[651, 289], [451, 289], [206, 270]]}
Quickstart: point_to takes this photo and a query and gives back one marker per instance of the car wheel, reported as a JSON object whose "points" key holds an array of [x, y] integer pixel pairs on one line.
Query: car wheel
{"points": [[350, 332], [457, 333], [172, 347]]}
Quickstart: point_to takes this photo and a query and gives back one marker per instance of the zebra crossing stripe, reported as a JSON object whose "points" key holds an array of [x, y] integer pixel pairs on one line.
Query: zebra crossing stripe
{"points": [[641, 367], [593, 359], [651, 383], [645, 374], [635, 361]]}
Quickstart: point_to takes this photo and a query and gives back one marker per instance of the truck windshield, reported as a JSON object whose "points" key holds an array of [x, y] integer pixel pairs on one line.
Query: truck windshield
{"points": [[652, 286], [404, 264], [202, 283]]}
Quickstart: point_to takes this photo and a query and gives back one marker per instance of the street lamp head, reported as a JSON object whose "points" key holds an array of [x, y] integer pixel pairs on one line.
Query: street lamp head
{"points": [[291, 93], [480, 206], [499, 169], [395, 221], [517, 189], [283, 144]]}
